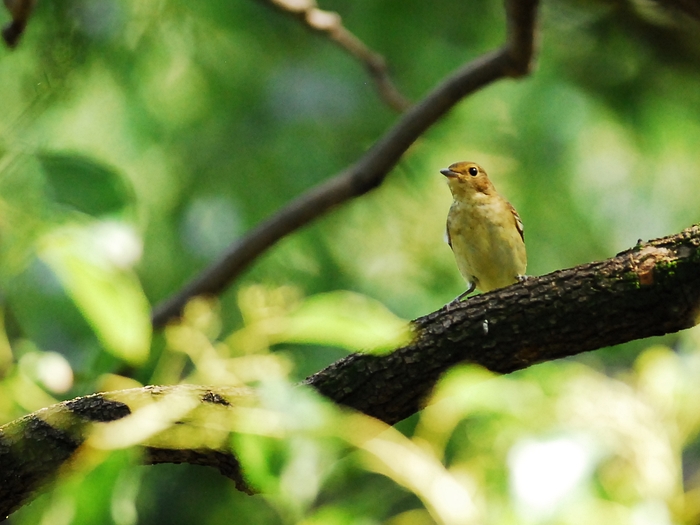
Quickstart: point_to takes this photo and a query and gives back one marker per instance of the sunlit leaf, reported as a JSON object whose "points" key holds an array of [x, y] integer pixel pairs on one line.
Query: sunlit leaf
{"points": [[110, 298], [347, 320]]}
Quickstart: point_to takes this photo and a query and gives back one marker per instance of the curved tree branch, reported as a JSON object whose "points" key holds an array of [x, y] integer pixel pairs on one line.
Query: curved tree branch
{"points": [[330, 24], [651, 289], [513, 60]]}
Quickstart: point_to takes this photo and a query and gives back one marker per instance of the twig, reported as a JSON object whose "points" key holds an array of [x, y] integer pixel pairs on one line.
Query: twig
{"points": [[330, 24], [373, 166]]}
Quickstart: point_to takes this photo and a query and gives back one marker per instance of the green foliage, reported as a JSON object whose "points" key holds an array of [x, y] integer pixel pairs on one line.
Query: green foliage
{"points": [[109, 297], [557, 443], [102, 190], [139, 139]]}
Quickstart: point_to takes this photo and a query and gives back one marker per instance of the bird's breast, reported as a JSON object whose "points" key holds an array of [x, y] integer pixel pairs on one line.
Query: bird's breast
{"points": [[487, 245]]}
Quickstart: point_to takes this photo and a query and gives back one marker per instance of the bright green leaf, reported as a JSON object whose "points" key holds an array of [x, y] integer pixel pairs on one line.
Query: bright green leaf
{"points": [[347, 320], [110, 297]]}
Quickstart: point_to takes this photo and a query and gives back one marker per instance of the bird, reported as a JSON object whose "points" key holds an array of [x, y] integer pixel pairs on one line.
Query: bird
{"points": [[483, 230]]}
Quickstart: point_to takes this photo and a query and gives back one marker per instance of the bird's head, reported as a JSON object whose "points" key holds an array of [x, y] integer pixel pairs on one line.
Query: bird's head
{"points": [[467, 178]]}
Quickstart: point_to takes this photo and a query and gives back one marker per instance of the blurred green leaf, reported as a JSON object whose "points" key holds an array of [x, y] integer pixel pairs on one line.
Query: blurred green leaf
{"points": [[262, 458], [347, 320], [110, 297], [85, 183]]}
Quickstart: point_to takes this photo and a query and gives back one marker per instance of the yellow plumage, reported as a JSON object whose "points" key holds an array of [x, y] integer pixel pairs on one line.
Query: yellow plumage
{"points": [[483, 230]]}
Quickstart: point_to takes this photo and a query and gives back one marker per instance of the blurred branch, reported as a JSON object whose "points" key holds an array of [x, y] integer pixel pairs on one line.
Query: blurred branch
{"points": [[34, 447], [513, 60], [689, 7], [20, 10], [651, 289], [330, 24]]}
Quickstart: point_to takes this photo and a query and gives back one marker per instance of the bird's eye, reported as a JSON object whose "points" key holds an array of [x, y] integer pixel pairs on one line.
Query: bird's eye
{"points": [[473, 171]]}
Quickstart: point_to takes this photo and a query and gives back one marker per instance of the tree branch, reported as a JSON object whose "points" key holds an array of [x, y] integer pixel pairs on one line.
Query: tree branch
{"points": [[330, 24], [689, 7], [651, 289], [512, 60], [34, 447]]}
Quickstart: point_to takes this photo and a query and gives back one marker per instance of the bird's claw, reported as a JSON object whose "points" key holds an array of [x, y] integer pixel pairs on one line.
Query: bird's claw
{"points": [[463, 295]]}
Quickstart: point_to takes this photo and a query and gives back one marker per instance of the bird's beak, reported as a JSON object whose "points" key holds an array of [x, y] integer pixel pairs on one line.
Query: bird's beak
{"points": [[447, 172]]}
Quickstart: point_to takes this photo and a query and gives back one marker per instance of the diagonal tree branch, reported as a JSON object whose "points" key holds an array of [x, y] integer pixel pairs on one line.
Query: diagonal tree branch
{"points": [[513, 60], [689, 7], [651, 289]]}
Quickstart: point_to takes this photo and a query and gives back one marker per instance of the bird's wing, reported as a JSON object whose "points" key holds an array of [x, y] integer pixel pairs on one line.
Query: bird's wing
{"points": [[518, 222]]}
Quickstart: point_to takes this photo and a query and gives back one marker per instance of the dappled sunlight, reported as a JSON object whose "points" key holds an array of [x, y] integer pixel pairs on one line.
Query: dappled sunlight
{"points": [[146, 422], [315, 425], [391, 454], [50, 369], [629, 429], [277, 316], [94, 470], [559, 430], [26, 393], [303, 424], [348, 320], [473, 391], [118, 242], [544, 474], [553, 432]]}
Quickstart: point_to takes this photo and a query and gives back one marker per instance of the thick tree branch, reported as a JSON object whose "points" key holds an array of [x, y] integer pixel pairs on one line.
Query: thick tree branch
{"points": [[651, 289], [689, 7], [513, 60]]}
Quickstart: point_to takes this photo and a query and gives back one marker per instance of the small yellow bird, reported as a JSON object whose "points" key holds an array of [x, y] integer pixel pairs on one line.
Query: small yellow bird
{"points": [[483, 230]]}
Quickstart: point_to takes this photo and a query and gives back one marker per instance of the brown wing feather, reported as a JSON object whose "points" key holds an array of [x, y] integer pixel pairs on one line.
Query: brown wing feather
{"points": [[518, 222]]}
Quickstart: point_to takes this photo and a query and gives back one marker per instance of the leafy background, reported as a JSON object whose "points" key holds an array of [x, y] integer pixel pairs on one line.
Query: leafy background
{"points": [[137, 140]]}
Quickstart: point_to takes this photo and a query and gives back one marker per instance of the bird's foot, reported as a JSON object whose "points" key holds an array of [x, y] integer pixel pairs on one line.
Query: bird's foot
{"points": [[461, 296]]}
